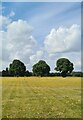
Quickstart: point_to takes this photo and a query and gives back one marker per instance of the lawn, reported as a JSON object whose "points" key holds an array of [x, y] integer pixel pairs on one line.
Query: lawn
{"points": [[41, 97]]}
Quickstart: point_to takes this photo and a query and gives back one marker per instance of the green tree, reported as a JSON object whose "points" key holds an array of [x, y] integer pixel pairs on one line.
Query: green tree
{"points": [[5, 72], [27, 73], [64, 66], [17, 68], [41, 69]]}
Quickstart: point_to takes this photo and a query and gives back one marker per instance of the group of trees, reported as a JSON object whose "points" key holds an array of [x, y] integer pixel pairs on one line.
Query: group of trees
{"points": [[17, 68]]}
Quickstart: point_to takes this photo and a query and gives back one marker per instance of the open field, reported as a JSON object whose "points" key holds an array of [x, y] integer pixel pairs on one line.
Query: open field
{"points": [[36, 97]]}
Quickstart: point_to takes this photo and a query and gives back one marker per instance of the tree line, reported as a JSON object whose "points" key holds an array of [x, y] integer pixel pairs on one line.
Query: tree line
{"points": [[63, 67]]}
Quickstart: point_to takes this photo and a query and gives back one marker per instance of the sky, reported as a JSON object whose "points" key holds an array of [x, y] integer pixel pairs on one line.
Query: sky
{"points": [[33, 31], [41, 0]]}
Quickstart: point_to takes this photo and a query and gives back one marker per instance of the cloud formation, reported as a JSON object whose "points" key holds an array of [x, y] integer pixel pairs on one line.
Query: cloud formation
{"points": [[12, 13], [17, 42], [4, 22], [63, 39], [36, 57]]}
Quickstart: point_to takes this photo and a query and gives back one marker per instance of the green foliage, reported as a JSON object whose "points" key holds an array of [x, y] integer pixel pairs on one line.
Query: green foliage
{"points": [[5, 72], [64, 66], [54, 74], [77, 74], [41, 69], [27, 73], [17, 68]]}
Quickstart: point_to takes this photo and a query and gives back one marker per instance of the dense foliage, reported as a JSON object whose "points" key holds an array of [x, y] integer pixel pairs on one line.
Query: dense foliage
{"points": [[41, 69], [77, 74], [17, 68], [64, 66], [5, 72]]}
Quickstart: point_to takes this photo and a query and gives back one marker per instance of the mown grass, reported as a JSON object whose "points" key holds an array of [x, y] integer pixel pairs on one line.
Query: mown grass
{"points": [[36, 97]]}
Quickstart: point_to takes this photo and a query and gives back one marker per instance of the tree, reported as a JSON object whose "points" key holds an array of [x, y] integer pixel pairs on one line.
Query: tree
{"points": [[27, 73], [5, 72], [64, 66], [41, 69], [77, 74], [17, 68]]}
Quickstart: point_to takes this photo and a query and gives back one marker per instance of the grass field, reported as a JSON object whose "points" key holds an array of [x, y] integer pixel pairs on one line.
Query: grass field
{"points": [[36, 97]]}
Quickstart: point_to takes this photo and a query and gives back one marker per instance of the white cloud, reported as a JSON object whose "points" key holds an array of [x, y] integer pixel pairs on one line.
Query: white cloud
{"points": [[64, 42], [4, 22], [63, 39], [20, 31], [36, 57], [12, 13], [18, 42]]}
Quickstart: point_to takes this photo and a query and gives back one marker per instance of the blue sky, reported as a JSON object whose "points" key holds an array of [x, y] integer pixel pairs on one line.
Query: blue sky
{"points": [[45, 17]]}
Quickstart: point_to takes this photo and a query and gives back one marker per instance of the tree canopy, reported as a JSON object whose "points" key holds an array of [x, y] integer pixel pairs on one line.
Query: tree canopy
{"points": [[41, 68], [17, 68], [64, 66]]}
